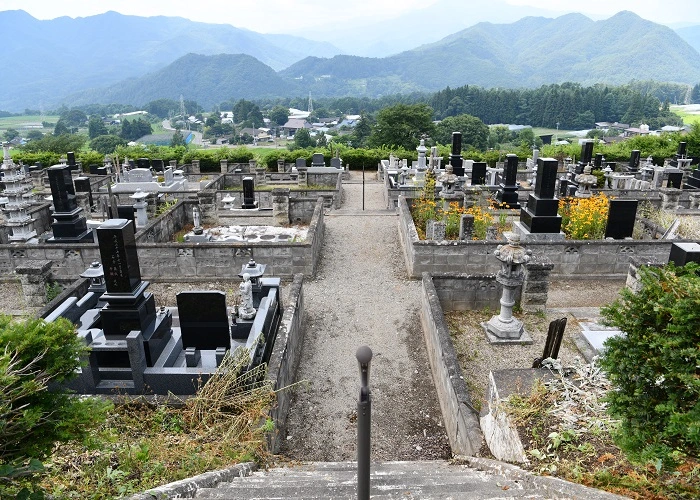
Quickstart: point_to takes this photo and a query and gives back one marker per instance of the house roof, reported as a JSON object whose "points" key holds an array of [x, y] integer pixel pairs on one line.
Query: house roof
{"points": [[296, 123]]}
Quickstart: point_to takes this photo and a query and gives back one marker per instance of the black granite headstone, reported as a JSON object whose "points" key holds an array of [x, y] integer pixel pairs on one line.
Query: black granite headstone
{"points": [[546, 177], [479, 173], [456, 155], [675, 179], [682, 149], [507, 193], [586, 152], [62, 190], [300, 163], [510, 170], [598, 161], [248, 192], [621, 217], [118, 253], [70, 155], [635, 156], [541, 213], [82, 185], [93, 169], [336, 162], [682, 253], [693, 180], [143, 163], [563, 187], [125, 212], [203, 319], [158, 165]]}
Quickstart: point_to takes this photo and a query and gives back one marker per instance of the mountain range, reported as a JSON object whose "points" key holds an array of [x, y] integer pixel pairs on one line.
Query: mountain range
{"points": [[132, 60]]}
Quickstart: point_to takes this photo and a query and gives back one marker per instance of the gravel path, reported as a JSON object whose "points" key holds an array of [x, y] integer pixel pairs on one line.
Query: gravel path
{"points": [[361, 295]]}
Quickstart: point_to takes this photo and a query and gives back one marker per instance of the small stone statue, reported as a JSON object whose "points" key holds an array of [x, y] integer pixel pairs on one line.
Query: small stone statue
{"points": [[246, 309], [585, 181], [448, 179]]}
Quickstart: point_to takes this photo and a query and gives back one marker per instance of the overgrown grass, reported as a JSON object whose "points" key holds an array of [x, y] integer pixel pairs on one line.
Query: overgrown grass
{"points": [[581, 446], [688, 227], [145, 444]]}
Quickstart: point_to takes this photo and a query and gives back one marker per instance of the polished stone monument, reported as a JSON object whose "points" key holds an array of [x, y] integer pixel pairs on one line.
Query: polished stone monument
{"points": [[540, 215], [70, 225], [508, 190]]}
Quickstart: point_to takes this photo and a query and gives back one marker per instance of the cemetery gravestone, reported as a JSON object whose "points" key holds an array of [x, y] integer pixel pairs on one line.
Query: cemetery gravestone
{"points": [[69, 224], [621, 217], [456, 155], [203, 320], [249, 193], [508, 192], [682, 253], [479, 173], [675, 179], [540, 215]]}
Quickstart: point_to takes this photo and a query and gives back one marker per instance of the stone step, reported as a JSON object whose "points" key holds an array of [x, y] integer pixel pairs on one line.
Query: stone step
{"points": [[434, 479]]}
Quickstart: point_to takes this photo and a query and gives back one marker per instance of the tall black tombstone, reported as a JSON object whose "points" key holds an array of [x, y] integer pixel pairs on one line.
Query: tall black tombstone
{"points": [[635, 156], [682, 149], [143, 163], [82, 185], [456, 155], [508, 190], [479, 173], [621, 217], [693, 180], [598, 161], [249, 193], [129, 307], [586, 156], [69, 224], [203, 319], [70, 155], [541, 213]]}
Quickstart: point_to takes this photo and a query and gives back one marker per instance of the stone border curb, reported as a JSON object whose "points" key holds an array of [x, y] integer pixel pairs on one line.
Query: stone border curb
{"points": [[557, 488], [187, 488]]}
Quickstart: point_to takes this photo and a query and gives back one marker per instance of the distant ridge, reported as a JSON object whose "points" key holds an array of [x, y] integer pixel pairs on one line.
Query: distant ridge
{"points": [[133, 60]]}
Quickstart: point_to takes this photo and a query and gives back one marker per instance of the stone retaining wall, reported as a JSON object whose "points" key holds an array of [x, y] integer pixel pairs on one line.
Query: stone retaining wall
{"points": [[181, 261], [580, 258], [460, 417], [284, 360]]}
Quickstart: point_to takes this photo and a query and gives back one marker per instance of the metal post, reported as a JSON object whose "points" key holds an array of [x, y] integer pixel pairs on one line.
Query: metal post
{"points": [[364, 417], [363, 198]]}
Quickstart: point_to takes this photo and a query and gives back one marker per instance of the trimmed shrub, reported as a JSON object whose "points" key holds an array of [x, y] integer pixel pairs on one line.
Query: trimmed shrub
{"points": [[655, 366]]}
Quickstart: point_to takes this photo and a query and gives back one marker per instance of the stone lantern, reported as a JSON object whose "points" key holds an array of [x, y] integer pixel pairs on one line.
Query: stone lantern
{"points": [[504, 328], [585, 181], [97, 278], [140, 205]]}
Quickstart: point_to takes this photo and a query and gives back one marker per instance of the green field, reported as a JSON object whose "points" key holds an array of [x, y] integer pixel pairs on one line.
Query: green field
{"points": [[689, 117], [19, 122]]}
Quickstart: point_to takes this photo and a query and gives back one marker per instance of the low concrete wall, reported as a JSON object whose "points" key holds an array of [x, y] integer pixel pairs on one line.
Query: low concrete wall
{"points": [[182, 261], [284, 359], [463, 292], [162, 229], [461, 419], [580, 258]]}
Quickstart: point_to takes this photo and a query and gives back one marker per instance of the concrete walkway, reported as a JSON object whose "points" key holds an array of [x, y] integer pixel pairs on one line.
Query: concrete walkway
{"points": [[361, 295]]}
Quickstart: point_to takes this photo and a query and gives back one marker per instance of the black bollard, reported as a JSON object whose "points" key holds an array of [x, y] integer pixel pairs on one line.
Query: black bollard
{"points": [[364, 419]]}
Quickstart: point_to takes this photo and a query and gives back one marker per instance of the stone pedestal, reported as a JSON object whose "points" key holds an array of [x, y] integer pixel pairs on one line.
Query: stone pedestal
{"points": [[223, 165], [670, 198], [280, 206], [195, 167], [33, 276]]}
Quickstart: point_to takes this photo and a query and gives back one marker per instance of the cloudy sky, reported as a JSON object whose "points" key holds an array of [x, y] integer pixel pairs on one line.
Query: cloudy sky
{"points": [[293, 16]]}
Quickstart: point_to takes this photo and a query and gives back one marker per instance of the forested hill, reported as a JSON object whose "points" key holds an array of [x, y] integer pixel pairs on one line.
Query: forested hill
{"points": [[46, 60], [209, 80], [527, 53]]}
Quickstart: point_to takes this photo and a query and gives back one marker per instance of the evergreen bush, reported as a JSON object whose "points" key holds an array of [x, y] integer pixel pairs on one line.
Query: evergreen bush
{"points": [[655, 365]]}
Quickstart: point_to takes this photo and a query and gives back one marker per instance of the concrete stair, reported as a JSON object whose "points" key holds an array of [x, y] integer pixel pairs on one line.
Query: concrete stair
{"points": [[405, 480]]}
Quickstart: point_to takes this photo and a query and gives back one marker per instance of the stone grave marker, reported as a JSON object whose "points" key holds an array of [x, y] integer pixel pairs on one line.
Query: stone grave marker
{"points": [[300, 163], [682, 253], [540, 215], [456, 155], [249, 193], [336, 162], [143, 163], [479, 173], [635, 157], [158, 164], [508, 190], [203, 319], [675, 179], [621, 217], [466, 226], [120, 261], [62, 190], [317, 160]]}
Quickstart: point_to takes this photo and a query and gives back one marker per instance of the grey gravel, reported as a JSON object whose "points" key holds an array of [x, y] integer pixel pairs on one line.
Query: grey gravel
{"points": [[361, 295]]}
